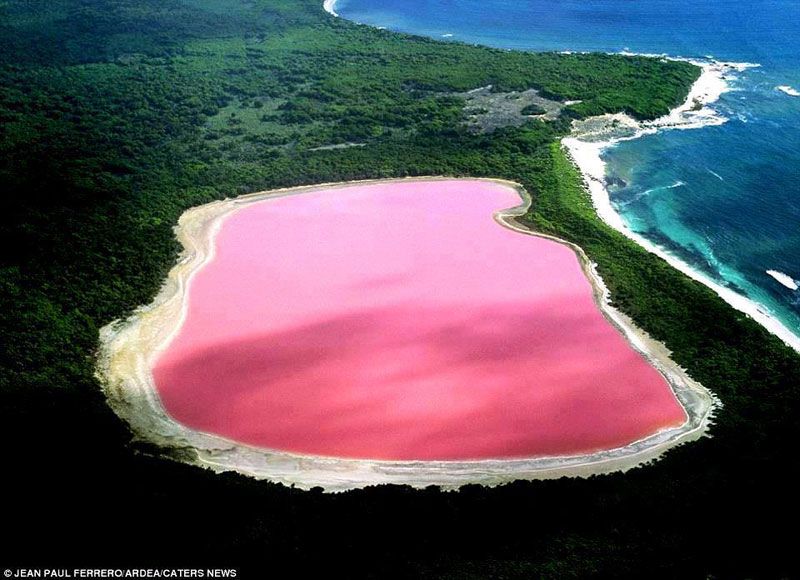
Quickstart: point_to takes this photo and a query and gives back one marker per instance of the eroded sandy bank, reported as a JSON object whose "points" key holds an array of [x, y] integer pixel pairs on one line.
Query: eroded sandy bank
{"points": [[129, 349]]}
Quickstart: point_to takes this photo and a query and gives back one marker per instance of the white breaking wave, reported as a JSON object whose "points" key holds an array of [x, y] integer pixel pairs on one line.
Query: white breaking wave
{"points": [[676, 184], [647, 192], [784, 279], [788, 90], [663, 187], [715, 174]]}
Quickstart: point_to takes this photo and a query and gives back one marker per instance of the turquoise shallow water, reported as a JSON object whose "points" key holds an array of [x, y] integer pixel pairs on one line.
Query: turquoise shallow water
{"points": [[724, 199]]}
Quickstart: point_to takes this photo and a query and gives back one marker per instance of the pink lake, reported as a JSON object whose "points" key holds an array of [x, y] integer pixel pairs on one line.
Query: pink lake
{"points": [[400, 321]]}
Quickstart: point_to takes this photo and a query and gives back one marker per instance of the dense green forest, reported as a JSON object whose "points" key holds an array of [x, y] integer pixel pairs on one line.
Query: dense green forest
{"points": [[117, 115]]}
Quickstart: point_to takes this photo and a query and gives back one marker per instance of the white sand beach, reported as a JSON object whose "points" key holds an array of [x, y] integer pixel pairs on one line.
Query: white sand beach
{"points": [[330, 7]]}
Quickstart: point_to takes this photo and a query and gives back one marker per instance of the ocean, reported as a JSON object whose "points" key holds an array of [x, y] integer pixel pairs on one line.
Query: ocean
{"points": [[724, 199]]}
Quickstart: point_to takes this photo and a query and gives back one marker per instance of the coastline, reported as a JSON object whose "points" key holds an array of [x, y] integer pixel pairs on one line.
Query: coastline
{"points": [[585, 148], [330, 7], [129, 348]]}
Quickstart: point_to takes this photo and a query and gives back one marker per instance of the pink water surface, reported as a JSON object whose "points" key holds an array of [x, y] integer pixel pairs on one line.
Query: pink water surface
{"points": [[400, 321]]}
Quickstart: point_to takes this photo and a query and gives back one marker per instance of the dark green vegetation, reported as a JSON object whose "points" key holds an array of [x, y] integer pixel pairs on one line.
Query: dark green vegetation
{"points": [[116, 115]]}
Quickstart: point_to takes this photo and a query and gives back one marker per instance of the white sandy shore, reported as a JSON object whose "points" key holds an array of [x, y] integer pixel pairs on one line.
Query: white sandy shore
{"points": [[586, 147], [128, 350], [330, 7]]}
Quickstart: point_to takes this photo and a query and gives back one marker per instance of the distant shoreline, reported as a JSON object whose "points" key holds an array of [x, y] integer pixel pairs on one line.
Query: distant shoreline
{"points": [[128, 350]]}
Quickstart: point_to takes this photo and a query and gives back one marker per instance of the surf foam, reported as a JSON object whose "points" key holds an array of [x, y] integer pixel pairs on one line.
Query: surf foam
{"points": [[784, 279], [788, 90]]}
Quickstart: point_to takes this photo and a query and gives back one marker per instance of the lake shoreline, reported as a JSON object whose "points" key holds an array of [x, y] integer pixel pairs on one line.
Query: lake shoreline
{"points": [[129, 349]]}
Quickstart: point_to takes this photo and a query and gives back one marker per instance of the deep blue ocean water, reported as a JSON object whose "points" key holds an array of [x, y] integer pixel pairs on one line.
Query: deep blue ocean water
{"points": [[735, 212]]}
